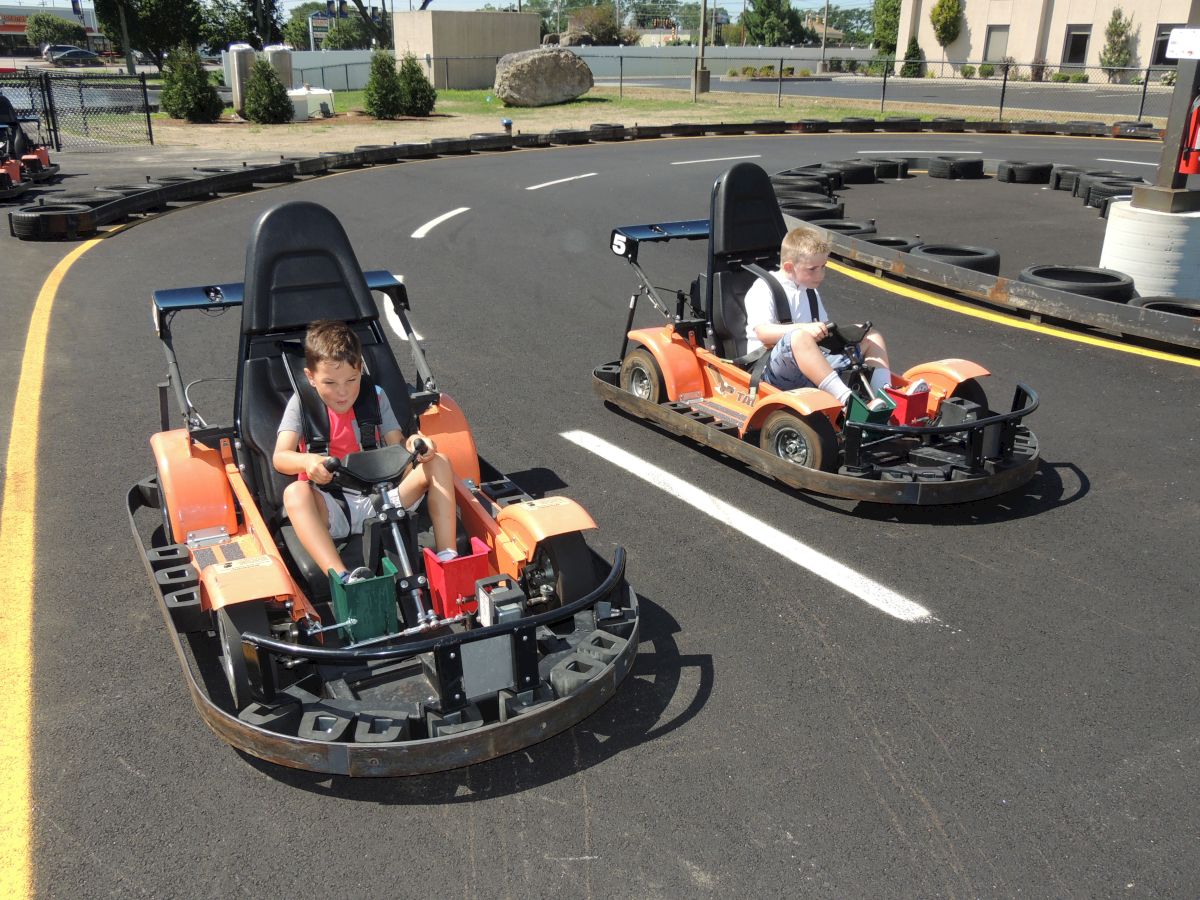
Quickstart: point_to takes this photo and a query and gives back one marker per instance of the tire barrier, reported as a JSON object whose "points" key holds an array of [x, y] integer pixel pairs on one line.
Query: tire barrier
{"points": [[1062, 178], [1105, 284], [1083, 181], [1015, 172], [787, 196], [856, 125], [847, 226], [606, 131], [814, 126], [792, 185], [52, 221], [965, 256], [901, 123], [892, 242], [499, 141], [948, 125], [955, 167], [812, 210], [1179, 306], [854, 171], [1099, 192], [889, 168]]}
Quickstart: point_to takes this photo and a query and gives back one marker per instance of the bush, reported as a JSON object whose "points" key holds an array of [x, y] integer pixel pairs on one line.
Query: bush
{"points": [[732, 73], [986, 70], [789, 71], [1060, 77], [766, 72], [267, 101], [879, 65], [1037, 70], [852, 65], [383, 97], [967, 71], [1168, 78], [804, 73], [749, 71], [186, 93], [1079, 78], [418, 95], [835, 65], [914, 60]]}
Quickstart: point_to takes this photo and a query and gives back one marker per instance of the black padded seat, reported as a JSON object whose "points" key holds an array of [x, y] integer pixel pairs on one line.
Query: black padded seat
{"points": [[300, 267], [14, 143], [746, 227]]}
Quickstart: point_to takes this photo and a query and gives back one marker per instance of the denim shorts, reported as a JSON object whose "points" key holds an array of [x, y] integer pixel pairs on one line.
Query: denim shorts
{"points": [[783, 373]]}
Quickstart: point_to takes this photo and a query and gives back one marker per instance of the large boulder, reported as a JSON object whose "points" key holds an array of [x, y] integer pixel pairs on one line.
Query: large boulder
{"points": [[541, 77], [576, 38]]}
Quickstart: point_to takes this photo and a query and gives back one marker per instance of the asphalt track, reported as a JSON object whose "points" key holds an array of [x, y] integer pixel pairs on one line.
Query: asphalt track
{"points": [[777, 736]]}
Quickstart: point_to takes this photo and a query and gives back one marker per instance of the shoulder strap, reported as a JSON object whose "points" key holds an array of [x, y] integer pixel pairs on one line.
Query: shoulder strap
{"points": [[812, 303], [314, 415], [783, 312], [367, 412]]}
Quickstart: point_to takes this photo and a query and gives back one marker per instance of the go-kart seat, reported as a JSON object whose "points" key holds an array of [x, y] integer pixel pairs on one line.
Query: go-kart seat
{"points": [[745, 228], [14, 143], [300, 267]]}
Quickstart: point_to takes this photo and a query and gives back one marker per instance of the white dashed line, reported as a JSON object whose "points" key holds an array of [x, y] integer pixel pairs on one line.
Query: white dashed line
{"points": [[537, 187], [872, 592], [434, 223], [1128, 162], [692, 162]]}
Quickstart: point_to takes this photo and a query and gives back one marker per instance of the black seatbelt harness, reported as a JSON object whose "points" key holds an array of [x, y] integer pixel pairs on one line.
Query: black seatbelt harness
{"points": [[783, 313], [314, 415]]}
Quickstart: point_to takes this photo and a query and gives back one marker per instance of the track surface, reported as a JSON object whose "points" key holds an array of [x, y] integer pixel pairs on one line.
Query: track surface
{"points": [[777, 736]]}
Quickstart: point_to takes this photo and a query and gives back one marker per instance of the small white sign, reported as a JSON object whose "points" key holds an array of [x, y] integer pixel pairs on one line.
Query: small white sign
{"points": [[1184, 43]]}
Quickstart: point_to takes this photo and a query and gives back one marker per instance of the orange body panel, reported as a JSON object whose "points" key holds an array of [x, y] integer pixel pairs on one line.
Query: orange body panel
{"points": [[675, 357], [506, 557], [944, 375], [250, 578], [448, 427], [803, 401], [534, 520], [191, 479]]}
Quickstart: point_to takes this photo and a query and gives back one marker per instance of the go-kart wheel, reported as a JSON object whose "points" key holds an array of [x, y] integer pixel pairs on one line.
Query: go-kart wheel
{"points": [[232, 622], [807, 441], [566, 565], [971, 390], [641, 376]]}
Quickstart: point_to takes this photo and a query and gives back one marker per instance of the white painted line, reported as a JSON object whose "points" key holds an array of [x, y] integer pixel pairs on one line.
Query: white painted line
{"points": [[1128, 162], [389, 313], [434, 223], [692, 162], [872, 592], [911, 152], [537, 187]]}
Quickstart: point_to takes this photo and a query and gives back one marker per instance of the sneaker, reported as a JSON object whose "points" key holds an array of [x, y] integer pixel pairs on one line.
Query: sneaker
{"points": [[447, 555], [362, 573], [919, 386]]}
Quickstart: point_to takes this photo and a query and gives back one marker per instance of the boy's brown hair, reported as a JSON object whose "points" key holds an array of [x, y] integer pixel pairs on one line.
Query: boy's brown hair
{"points": [[801, 242], [332, 341]]}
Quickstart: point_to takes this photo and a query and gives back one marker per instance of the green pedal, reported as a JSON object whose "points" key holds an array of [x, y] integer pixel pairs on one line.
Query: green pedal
{"points": [[371, 603]]}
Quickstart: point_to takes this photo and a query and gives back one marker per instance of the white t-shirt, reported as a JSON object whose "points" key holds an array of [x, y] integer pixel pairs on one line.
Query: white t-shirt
{"points": [[760, 307]]}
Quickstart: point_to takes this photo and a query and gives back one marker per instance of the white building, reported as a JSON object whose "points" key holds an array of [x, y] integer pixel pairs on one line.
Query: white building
{"points": [[14, 19]]}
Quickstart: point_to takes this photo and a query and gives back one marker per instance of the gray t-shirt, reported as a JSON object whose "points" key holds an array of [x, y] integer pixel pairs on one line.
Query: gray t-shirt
{"points": [[292, 421]]}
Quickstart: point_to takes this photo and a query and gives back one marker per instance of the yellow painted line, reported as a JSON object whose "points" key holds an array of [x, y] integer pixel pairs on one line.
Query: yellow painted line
{"points": [[17, 533], [1007, 320]]}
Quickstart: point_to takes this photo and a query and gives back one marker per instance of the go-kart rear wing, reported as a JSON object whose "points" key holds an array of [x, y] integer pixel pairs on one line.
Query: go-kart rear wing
{"points": [[219, 297]]}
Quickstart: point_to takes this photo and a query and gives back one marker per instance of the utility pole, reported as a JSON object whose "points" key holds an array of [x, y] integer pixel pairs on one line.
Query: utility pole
{"points": [[824, 34]]}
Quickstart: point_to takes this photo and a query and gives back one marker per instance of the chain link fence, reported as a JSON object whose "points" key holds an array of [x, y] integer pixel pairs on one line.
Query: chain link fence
{"points": [[82, 112]]}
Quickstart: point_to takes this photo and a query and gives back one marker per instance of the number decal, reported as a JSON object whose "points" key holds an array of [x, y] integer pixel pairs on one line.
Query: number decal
{"points": [[618, 243]]}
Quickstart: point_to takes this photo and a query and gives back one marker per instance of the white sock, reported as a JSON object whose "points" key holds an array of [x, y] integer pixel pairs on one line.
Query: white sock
{"points": [[880, 378], [446, 555], [833, 384]]}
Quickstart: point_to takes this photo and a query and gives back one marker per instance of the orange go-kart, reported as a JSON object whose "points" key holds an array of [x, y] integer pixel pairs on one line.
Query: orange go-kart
{"points": [[425, 666], [932, 438], [23, 162]]}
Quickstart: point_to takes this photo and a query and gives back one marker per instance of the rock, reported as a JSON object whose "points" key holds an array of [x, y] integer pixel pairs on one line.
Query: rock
{"points": [[550, 39], [541, 77], [576, 39]]}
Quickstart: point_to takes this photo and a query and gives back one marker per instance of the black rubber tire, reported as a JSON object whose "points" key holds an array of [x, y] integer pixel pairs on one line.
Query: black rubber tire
{"points": [[972, 390], [892, 242], [51, 221], [901, 123], [977, 259], [641, 376], [807, 441], [889, 168], [813, 210], [1179, 306], [1017, 172], [833, 177], [1084, 180], [847, 226], [787, 193], [90, 199], [854, 171], [232, 622], [564, 562], [131, 188], [946, 124], [955, 167], [800, 198], [857, 124], [783, 183], [1099, 191], [814, 126], [1062, 178], [1104, 284]]}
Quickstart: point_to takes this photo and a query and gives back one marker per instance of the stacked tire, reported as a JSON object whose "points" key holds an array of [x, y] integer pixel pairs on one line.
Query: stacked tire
{"points": [[1103, 284], [1021, 172], [955, 167]]}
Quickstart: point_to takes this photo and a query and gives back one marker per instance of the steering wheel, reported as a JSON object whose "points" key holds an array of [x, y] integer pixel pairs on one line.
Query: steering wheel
{"points": [[366, 469], [842, 335]]}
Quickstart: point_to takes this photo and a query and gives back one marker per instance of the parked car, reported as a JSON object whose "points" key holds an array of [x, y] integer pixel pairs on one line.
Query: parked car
{"points": [[76, 56], [52, 50]]}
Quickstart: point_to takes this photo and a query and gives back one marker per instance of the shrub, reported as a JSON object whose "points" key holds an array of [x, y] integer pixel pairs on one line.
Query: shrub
{"points": [[967, 71], [1060, 77], [914, 60], [986, 70], [1037, 70], [267, 101], [789, 71], [1168, 78], [383, 97], [879, 64], [749, 71], [852, 65], [1079, 78], [804, 73], [186, 93], [835, 65], [418, 95], [732, 73], [766, 72]]}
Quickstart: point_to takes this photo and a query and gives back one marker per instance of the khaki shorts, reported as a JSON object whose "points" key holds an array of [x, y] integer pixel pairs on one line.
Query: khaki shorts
{"points": [[359, 506]]}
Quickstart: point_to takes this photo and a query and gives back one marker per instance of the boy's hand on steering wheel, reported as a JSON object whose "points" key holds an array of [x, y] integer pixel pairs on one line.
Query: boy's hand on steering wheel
{"points": [[817, 330], [429, 447], [316, 471]]}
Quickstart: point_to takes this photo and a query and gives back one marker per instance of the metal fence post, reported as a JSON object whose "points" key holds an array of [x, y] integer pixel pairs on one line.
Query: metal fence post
{"points": [[446, 70], [621, 76], [1145, 85], [887, 65], [146, 107], [779, 95], [1003, 88]]}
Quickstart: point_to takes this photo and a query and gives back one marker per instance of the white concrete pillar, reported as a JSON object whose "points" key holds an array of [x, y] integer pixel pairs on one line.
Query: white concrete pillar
{"points": [[1159, 251]]}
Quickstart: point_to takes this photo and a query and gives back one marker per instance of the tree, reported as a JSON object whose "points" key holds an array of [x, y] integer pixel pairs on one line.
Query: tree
{"points": [[186, 92], [45, 28], [416, 93], [601, 23], [774, 23], [946, 17], [384, 96], [347, 34], [155, 26], [1117, 53], [295, 29], [914, 60], [887, 25], [225, 22], [267, 101]]}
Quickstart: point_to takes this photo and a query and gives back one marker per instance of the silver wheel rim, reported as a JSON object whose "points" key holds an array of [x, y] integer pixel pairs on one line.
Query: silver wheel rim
{"points": [[639, 383], [791, 445], [226, 655]]}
